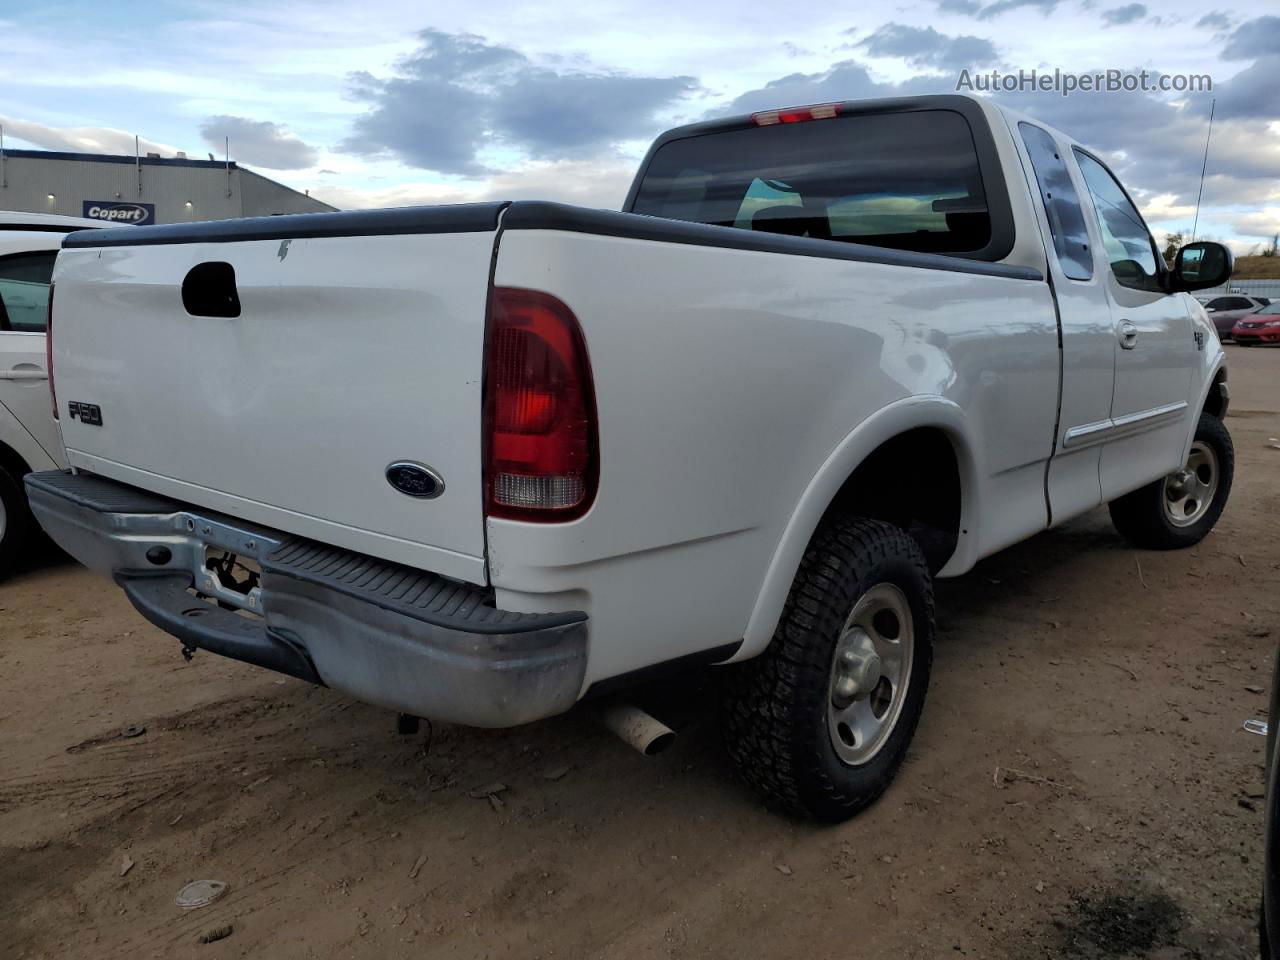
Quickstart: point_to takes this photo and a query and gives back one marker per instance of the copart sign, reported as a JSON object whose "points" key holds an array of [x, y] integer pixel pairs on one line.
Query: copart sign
{"points": [[117, 211]]}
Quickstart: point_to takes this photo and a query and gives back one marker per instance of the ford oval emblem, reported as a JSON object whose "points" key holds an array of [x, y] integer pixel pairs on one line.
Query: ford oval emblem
{"points": [[415, 480]]}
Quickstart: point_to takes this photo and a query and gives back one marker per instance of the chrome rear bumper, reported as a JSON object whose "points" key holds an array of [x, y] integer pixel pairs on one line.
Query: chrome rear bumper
{"points": [[405, 639]]}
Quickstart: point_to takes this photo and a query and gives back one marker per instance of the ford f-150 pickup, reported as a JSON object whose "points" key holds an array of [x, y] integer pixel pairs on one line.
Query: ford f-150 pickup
{"points": [[479, 462]]}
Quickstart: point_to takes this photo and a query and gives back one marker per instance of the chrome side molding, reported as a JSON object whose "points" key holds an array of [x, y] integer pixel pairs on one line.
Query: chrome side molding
{"points": [[1103, 431]]}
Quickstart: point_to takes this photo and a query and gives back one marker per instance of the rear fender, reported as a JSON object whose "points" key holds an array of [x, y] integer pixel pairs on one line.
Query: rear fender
{"points": [[893, 420], [15, 437]]}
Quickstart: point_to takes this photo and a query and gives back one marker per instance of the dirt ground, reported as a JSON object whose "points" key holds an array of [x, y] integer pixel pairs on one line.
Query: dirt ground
{"points": [[1080, 785]]}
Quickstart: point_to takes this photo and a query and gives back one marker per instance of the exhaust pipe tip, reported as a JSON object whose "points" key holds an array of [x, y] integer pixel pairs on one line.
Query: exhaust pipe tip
{"points": [[659, 743], [637, 729]]}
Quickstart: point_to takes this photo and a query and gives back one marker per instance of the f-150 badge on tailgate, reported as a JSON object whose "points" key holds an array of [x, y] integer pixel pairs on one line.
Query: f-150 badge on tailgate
{"points": [[415, 480], [89, 414]]}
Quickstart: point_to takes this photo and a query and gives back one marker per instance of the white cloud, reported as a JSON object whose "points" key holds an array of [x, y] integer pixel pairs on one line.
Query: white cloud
{"points": [[1258, 225], [79, 139], [259, 143], [582, 182], [288, 61]]}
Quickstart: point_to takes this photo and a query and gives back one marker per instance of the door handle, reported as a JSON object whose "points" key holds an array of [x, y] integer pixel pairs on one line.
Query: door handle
{"points": [[24, 371], [1128, 335]]}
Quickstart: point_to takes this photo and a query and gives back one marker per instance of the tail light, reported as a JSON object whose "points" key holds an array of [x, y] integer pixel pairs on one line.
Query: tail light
{"points": [[48, 353], [817, 111], [541, 460]]}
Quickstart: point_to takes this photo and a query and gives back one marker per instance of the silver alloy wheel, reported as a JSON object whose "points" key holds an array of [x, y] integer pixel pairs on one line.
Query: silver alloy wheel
{"points": [[870, 673], [1189, 492]]}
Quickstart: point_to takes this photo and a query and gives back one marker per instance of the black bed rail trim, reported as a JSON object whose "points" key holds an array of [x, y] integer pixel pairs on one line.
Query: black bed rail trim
{"points": [[527, 215], [542, 215], [449, 218]]}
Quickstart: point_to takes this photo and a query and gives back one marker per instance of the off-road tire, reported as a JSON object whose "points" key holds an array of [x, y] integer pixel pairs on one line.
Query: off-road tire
{"points": [[1140, 516], [774, 706]]}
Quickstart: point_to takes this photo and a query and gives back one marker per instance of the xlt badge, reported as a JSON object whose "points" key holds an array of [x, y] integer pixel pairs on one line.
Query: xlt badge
{"points": [[90, 414]]}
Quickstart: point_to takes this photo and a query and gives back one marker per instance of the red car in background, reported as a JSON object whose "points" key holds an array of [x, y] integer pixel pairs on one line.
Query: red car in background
{"points": [[1261, 326]]}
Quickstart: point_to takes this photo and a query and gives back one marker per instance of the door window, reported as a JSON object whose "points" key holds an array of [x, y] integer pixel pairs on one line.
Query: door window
{"points": [[1124, 235], [24, 291], [1061, 205]]}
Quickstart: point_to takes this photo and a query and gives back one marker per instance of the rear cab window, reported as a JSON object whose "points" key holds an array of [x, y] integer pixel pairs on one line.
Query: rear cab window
{"points": [[914, 180], [24, 291]]}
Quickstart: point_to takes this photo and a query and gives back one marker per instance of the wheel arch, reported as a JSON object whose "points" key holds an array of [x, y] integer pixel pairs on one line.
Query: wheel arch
{"points": [[20, 453], [13, 462], [924, 420], [1217, 398], [1214, 398]]}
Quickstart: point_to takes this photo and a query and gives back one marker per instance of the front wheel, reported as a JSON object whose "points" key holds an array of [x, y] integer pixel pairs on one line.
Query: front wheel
{"points": [[1180, 509], [820, 722]]}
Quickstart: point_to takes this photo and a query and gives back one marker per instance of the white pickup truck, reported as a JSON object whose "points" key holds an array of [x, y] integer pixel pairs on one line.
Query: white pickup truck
{"points": [[29, 440], [479, 462]]}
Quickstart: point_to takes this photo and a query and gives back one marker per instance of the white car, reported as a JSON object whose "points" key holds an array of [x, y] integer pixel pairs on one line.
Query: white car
{"points": [[29, 439], [479, 462]]}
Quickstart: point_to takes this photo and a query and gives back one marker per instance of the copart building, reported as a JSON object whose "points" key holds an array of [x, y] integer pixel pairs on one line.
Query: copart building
{"points": [[141, 189]]}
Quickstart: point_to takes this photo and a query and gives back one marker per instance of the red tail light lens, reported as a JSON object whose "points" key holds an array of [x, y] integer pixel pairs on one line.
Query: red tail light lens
{"points": [[48, 353], [817, 111], [539, 410]]}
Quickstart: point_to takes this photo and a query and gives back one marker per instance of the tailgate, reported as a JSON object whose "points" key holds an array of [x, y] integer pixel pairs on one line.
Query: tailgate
{"points": [[353, 350]]}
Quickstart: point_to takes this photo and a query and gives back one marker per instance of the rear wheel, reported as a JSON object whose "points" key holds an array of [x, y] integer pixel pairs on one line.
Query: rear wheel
{"points": [[820, 722], [1180, 509], [16, 522]]}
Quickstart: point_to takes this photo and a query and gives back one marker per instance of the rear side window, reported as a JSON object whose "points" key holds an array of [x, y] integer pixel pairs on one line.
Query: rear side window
{"points": [[908, 181], [1124, 235], [24, 291], [1061, 204]]}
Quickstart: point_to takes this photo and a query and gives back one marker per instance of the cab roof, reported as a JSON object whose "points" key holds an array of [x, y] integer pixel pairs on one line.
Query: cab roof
{"points": [[52, 222]]}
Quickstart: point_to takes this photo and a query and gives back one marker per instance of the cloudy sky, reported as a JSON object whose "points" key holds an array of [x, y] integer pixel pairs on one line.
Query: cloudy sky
{"points": [[392, 102]]}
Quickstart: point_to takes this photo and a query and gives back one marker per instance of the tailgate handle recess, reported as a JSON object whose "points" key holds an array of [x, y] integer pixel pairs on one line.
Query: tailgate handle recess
{"points": [[209, 290]]}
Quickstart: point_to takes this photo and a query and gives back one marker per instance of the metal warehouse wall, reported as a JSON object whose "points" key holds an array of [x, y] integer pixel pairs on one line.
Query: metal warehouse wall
{"points": [[30, 177], [266, 197]]}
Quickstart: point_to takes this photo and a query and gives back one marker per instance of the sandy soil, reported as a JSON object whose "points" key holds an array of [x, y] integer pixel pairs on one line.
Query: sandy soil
{"points": [[1106, 686]]}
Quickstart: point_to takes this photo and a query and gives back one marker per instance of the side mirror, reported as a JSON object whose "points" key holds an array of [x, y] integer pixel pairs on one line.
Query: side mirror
{"points": [[1201, 265]]}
